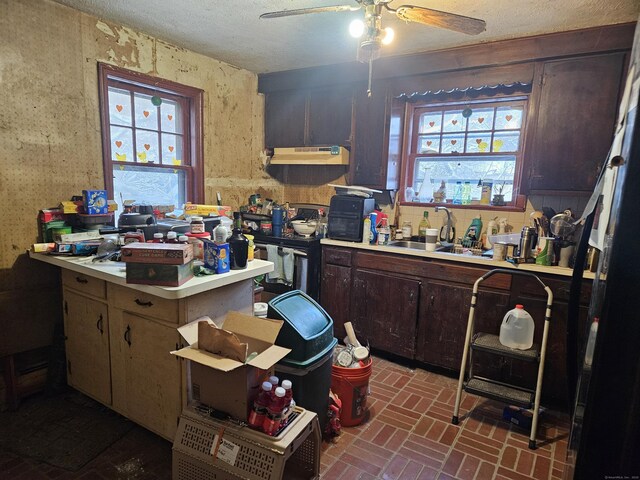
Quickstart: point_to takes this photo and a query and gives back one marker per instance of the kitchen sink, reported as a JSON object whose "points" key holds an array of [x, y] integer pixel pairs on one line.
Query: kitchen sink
{"points": [[419, 245]]}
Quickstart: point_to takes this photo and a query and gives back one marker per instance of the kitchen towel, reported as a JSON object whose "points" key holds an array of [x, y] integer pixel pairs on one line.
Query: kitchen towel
{"points": [[287, 262], [302, 265]]}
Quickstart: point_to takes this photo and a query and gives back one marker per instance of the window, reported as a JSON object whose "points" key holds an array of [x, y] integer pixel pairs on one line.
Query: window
{"points": [[151, 136], [458, 149]]}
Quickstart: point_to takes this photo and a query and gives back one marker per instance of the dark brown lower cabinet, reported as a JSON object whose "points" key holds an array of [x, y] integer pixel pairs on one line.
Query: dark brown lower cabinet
{"points": [[385, 311], [335, 295]]}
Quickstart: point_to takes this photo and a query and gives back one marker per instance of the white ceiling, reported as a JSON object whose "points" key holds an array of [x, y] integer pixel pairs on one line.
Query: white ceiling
{"points": [[231, 30]]}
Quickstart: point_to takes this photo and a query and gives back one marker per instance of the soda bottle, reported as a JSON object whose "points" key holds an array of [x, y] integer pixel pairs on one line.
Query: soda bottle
{"points": [[273, 419], [260, 405]]}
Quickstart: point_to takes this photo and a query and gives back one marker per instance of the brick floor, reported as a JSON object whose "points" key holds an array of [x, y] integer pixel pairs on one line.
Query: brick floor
{"points": [[408, 436]]}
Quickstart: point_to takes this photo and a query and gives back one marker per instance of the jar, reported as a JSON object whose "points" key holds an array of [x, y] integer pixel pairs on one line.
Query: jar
{"points": [[196, 239], [197, 225], [406, 230]]}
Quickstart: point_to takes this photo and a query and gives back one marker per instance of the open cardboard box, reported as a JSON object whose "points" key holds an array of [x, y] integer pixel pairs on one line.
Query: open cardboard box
{"points": [[226, 384]]}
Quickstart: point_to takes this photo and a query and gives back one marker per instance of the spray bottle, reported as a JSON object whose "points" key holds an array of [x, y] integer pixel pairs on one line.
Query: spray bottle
{"points": [[492, 229]]}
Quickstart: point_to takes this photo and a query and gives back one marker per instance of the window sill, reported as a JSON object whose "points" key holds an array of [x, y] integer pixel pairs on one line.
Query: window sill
{"points": [[472, 206]]}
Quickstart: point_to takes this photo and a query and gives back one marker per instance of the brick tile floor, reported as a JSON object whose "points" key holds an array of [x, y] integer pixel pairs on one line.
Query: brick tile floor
{"points": [[408, 436]]}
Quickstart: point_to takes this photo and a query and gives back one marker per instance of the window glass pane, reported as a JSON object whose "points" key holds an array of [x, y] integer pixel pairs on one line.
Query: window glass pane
{"points": [[430, 122], [478, 142], [122, 144], [508, 117], [453, 143], [429, 144], [454, 121], [147, 147], [157, 186], [506, 141], [172, 149], [170, 116], [119, 106], [146, 113], [481, 119]]}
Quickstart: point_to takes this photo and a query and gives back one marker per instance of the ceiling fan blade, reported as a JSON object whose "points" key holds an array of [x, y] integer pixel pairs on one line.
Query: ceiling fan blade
{"points": [[304, 11], [436, 18]]}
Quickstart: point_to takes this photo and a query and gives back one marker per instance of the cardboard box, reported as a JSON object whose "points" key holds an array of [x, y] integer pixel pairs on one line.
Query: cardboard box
{"points": [[158, 274], [207, 210], [51, 215], [95, 201], [158, 253], [226, 384]]}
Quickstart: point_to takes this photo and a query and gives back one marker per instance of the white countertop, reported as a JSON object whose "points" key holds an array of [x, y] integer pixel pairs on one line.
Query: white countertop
{"points": [[115, 272], [452, 257]]}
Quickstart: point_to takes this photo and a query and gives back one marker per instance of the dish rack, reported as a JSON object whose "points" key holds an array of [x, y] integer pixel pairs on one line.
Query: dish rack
{"points": [[490, 343]]}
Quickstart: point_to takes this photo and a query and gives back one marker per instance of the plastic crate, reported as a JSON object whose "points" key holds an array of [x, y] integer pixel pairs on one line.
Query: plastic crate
{"points": [[307, 329], [252, 455]]}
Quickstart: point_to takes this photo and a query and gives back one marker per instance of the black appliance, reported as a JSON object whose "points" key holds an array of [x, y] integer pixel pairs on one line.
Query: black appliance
{"points": [[346, 215], [605, 392]]}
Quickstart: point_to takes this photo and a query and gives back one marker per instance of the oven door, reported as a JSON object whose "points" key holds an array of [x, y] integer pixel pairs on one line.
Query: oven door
{"points": [[291, 270]]}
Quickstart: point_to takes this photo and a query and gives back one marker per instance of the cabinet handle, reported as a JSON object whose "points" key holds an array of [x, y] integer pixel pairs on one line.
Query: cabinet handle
{"points": [[432, 299], [99, 324], [81, 280], [143, 304], [127, 335]]}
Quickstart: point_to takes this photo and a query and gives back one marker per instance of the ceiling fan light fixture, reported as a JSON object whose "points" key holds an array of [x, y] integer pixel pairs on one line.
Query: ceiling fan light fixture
{"points": [[356, 28], [388, 36]]}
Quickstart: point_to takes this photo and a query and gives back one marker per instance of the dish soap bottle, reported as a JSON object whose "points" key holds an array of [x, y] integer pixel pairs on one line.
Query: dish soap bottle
{"points": [[422, 227], [472, 235]]}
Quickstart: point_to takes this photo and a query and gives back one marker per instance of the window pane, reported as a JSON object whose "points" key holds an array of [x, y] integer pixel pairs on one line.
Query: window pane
{"points": [[506, 141], [172, 149], [146, 113], [481, 119], [478, 142], [453, 143], [429, 144], [122, 144], [170, 116], [147, 147], [157, 186], [430, 122], [119, 106], [454, 121], [508, 117]]}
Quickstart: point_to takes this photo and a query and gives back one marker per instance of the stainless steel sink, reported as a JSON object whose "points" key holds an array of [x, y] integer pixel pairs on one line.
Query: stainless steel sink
{"points": [[418, 245]]}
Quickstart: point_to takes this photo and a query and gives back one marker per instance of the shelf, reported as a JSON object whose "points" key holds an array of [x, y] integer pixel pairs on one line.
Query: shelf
{"points": [[486, 342], [500, 391]]}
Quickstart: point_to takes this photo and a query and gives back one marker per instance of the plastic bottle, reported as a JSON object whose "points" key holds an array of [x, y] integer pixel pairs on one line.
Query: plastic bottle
{"points": [[238, 245], [384, 232], [492, 229], [457, 194], [288, 396], [373, 238], [260, 405], [220, 234], [366, 230], [273, 419], [422, 227], [183, 239], [517, 329], [591, 342], [466, 193], [172, 237], [275, 381], [472, 235], [158, 238]]}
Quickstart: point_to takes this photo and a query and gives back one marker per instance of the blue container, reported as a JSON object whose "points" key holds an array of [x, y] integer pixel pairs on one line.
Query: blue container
{"points": [[277, 219]]}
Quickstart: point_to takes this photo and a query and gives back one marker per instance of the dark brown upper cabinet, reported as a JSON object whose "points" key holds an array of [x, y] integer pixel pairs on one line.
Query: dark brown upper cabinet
{"points": [[309, 117], [574, 122]]}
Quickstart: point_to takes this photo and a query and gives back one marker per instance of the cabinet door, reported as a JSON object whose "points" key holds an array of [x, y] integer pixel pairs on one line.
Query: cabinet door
{"points": [[330, 113], [444, 314], [285, 117], [146, 377], [335, 296], [385, 311], [575, 121], [86, 329]]}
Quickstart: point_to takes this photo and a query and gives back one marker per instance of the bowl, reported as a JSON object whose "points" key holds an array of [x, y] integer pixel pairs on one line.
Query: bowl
{"points": [[303, 227]]}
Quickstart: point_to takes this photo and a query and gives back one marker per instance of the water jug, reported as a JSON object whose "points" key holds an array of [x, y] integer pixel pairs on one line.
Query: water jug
{"points": [[517, 328]]}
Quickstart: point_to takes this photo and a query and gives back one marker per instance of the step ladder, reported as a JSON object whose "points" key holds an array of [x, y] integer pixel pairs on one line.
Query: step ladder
{"points": [[490, 343]]}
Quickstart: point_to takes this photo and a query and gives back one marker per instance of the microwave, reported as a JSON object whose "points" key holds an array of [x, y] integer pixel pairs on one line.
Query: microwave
{"points": [[346, 216]]}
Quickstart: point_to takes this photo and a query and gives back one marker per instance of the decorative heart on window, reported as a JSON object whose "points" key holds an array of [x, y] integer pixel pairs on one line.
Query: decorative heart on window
{"points": [[170, 117], [170, 148], [478, 141], [453, 142], [481, 119], [147, 146], [429, 142], [145, 113], [509, 117], [454, 121], [118, 143], [119, 108], [431, 124]]}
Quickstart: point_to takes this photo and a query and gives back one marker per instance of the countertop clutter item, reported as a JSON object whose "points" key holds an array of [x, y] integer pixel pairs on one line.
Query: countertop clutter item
{"points": [[95, 202], [517, 329], [346, 216], [305, 228], [162, 253], [238, 245]]}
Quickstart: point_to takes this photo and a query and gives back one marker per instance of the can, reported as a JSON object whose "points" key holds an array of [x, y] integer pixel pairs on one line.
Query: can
{"points": [[499, 250], [266, 227]]}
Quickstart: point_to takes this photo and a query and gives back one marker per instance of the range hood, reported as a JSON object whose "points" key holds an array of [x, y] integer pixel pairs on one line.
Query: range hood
{"points": [[310, 156]]}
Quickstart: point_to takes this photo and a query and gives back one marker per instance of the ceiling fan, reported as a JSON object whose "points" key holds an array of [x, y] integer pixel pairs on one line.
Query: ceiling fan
{"points": [[371, 33]]}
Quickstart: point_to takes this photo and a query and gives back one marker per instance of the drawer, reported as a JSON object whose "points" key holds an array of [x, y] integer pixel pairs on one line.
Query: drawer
{"points": [[337, 256], [84, 283], [143, 303]]}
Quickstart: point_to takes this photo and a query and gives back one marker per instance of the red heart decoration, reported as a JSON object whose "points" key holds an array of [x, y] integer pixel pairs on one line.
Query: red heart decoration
{"points": [[170, 148], [509, 117], [429, 142], [119, 108], [453, 142], [481, 119], [118, 143], [147, 146], [145, 113], [478, 141], [431, 124], [454, 121], [170, 117]]}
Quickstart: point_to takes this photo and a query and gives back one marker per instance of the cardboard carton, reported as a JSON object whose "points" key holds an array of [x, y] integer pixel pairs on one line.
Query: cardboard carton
{"points": [[224, 383], [159, 274], [163, 253], [95, 201]]}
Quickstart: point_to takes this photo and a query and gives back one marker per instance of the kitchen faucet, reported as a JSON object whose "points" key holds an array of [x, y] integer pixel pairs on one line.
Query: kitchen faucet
{"points": [[449, 230]]}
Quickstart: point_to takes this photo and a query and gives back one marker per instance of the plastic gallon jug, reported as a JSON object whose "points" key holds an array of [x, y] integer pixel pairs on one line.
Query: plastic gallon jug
{"points": [[517, 328]]}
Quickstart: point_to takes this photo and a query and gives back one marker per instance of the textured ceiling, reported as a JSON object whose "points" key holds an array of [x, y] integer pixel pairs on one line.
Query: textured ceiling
{"points": [[231, 30]]}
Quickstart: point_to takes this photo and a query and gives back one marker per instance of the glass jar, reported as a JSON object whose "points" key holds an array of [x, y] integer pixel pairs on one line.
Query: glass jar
{"points": [[197, 225], [407, 230]]}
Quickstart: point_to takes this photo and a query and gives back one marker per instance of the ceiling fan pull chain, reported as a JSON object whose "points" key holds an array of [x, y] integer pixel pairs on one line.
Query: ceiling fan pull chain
{"points": [[370, 74]]}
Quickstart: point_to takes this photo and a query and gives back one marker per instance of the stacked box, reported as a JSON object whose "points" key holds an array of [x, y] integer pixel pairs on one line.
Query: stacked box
{"points": [[158, 253], [159, 274], [95, 201]]}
